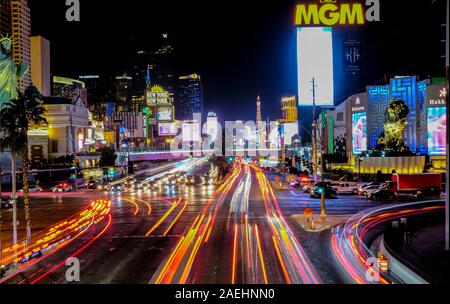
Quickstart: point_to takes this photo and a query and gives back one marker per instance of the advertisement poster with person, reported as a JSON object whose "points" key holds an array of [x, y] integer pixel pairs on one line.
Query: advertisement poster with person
{"points": [[437, 123], [359, 132]]}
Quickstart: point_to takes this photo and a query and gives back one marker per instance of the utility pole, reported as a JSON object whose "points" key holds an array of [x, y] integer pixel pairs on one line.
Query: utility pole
{"points": [[323, 194], [14, 196], [314, 129]]}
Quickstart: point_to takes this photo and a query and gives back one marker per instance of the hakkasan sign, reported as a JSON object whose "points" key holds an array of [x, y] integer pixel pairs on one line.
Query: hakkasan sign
{"points": [[332, 13]]}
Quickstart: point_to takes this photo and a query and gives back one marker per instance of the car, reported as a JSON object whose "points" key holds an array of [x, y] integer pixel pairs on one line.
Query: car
{"points": [[102, 186], [63, 187], [307, 188], [129, 181], [5, 204], [321, 184], [190, 180], [370, 189], [358, 187], [329, 192], [345, 188], [92, 184], [361, 186], [362, 190], [381, 195], [117, 188], [33, 189], [206, 180]]}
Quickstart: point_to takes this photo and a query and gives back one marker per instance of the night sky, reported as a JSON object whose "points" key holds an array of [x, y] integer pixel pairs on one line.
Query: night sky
{"points": [[240, 48]]}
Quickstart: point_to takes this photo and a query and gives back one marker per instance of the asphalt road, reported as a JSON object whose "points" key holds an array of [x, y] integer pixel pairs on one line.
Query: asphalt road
{"points": [[238, 231]]}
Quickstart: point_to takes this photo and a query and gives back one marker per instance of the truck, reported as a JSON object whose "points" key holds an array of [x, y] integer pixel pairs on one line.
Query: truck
{"points": [[422, 186]]}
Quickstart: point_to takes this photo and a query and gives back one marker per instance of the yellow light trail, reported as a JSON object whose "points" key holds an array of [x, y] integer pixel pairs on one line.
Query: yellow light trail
{"points": [[134, 204], [263, 267], [247, 240], [174, 254], [176, 219], [161, 220], [283, 267], [194, 252], [233, 272], [147, 204]]}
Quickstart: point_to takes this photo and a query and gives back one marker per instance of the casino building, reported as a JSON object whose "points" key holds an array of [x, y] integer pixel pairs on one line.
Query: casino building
{"points": [[354, 127]]}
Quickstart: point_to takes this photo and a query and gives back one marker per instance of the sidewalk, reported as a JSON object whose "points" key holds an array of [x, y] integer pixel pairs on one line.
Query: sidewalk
{"points": [[320, 224], [424, 253]]}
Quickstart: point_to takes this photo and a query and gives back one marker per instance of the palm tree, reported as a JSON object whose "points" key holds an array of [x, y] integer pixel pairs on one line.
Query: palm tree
{"points": [[11, 139], [16, 118]]}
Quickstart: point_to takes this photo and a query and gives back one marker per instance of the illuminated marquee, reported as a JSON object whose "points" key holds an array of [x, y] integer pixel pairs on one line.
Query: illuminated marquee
{"points": [[330, 14], [157, 95]]}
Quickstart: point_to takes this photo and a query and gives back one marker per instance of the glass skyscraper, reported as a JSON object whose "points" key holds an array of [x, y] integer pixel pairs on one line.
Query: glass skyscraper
{"points": [[189, 98]]}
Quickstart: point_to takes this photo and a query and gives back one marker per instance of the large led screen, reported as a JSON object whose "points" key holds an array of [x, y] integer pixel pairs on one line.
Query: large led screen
{"points": [[437, 135], [164, 114], [315, 60], [167, 129], [359, 132]]}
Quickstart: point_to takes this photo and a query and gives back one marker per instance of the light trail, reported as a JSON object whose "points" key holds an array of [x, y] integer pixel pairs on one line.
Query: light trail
{"points": [[53, 239], [161, 220], [295, 265], [136, 206], [348, 244], [149, 206], [261, 258], [78, 252], [183, 254], [177, 267], [175, 219], [234, 265]]}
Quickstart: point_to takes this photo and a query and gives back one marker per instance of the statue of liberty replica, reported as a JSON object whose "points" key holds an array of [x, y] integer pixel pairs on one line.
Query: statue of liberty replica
{"points": [[10, 72]]}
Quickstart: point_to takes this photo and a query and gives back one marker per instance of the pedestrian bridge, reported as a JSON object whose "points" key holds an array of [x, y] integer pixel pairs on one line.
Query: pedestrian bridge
{"points": [[137, 156]]}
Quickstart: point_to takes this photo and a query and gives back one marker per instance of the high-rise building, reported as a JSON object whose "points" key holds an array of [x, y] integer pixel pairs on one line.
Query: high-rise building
{"points": [[72, 89], [124, 87], [21, 30], [96, 94], [40, 64], [161, 64], [5, 17], [190, 97], [139, 69], [289, 109]]}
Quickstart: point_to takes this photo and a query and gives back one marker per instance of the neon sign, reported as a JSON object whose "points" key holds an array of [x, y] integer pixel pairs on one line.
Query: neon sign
{"points": [[327, 13]]}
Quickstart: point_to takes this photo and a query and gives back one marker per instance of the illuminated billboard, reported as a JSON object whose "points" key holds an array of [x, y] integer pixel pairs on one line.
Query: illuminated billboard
{"points": [[164, 113], [330, 13], [315, 61], [157, 95], [167, 129], [359, 132], [437, 135]]}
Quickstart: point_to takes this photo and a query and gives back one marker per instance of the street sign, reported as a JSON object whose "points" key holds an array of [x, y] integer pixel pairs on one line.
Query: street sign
{"points": [[308, 212]]}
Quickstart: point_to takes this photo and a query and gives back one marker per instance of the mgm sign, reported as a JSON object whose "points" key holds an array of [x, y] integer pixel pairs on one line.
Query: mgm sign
{"points": [[330, 13]]}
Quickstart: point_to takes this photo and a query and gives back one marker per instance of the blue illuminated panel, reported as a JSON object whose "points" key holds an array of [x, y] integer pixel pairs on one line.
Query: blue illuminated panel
{"points": [[315, 60], [378, 102], [405, 89]]}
